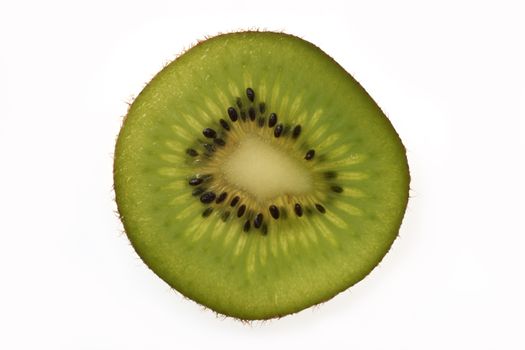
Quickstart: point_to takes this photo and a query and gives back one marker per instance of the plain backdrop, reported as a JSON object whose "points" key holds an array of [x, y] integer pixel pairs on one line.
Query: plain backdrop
{"points": [[449, 74]]}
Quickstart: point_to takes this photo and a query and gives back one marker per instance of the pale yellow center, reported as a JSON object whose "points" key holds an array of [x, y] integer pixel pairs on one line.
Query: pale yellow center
{"points": [[265, 171]]}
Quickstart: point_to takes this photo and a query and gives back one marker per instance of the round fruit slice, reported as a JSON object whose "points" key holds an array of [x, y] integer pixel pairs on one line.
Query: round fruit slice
{"points": [[257, 177]]}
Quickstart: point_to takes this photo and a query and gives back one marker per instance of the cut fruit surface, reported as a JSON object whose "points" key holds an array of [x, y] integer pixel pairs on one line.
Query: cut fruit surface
{"points": [[257, 177], [265, 171]]}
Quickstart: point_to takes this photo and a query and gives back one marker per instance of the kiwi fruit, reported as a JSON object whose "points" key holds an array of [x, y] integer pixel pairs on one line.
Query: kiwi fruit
{"points": [[256, 177]]}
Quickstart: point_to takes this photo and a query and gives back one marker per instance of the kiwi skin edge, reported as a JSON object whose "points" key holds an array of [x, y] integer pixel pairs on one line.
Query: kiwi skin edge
{"points": [[128, 216]]}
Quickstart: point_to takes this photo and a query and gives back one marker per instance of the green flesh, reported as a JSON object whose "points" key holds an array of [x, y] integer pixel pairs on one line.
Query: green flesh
{"points": [[301, 261]]}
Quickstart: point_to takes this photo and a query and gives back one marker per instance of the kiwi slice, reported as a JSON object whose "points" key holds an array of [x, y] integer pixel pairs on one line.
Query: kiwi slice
{"points": [[255, 176]]}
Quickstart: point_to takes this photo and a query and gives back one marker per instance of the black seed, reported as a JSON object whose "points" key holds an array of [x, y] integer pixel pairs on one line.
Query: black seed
{"points": [[207, 197], [274, 211], [239, 102], [225, 216], [209, 147], [225, 124], [262, 107], [246, 227], [261, 122], [320, 208], [251, 113], [207, 212], [272, 120], [191, 152], [195, 181], [336, 189], [278, 130], [209, 133], [219, 142], [234, 201], [298, 209], [243, 116], [241, 210], [309, 155], [296, 131], [330, 175], [197, 191], [232, 112], [250, 93], [264, 229], [221, 197], [258, 220]]}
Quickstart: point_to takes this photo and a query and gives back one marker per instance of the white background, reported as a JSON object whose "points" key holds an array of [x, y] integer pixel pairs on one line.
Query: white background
{"points": [[451, 77]]}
